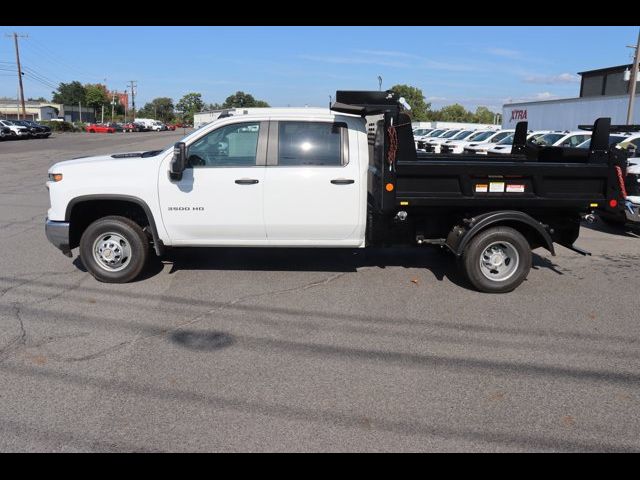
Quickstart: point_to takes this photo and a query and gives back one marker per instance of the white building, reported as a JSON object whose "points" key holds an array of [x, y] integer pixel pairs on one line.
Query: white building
{"points": [[603, 93], [36, 111]]}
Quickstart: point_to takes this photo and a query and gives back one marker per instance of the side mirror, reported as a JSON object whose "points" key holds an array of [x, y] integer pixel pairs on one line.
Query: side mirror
{"points": [[179, 161]]}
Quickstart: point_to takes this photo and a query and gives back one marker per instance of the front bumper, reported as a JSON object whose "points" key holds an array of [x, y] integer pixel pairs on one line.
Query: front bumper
{"points": [[58, 235]]}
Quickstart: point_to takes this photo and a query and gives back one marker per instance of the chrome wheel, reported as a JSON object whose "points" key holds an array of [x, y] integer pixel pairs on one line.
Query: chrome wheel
{"points": [[112, 252], [499, 261]]}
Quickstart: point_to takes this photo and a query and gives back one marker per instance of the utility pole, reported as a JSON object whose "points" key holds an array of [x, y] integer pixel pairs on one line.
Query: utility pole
{"points": [[80, 110], [133, 98], [633, 81], [15, 39], [113, 105]]}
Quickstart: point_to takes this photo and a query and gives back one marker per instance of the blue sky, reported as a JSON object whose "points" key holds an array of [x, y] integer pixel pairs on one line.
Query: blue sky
{"points": [[300, 66]]}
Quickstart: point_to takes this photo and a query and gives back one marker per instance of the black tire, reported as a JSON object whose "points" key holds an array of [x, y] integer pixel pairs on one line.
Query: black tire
{"points": [[136, 241], [502, 236]]}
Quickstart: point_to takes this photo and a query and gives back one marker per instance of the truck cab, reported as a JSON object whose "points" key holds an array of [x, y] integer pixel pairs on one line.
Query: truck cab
{"points": [[288, 179]]}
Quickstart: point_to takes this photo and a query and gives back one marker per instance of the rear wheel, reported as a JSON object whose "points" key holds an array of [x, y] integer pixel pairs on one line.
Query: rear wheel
{"points": [[497, 260], [114, 249]]}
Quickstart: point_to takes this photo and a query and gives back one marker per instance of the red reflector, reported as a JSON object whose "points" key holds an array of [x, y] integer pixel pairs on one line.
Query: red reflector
{"points": [[613, 203]]}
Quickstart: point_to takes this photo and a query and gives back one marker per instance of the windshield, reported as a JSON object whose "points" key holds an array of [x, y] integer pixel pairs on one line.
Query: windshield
{"points": [[436, 133], [613, 140], [450, 134], [500, 136], [507, 140], [421, 131], [463, 134], [549, 138], [482, 136]]}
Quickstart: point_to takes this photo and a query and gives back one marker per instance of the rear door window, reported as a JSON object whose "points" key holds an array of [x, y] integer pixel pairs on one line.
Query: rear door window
{"points": [[310, 143]]}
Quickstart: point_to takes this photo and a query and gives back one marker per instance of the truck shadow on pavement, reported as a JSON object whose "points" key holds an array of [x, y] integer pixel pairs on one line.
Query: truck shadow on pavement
{"points": [[440, 263]]}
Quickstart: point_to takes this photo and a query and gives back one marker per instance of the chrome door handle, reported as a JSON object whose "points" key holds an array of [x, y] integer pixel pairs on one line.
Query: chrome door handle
{"points": [[246, 181], [342, 181]]}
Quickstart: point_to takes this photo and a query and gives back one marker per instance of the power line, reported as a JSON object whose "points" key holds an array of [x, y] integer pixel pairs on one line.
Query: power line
{"points": [[45, 50], [36, 57], [44, 70], [41, 76]]}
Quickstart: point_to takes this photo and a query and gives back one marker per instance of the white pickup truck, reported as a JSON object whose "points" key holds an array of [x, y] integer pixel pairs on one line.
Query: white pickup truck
{"points": [[347, 177]]}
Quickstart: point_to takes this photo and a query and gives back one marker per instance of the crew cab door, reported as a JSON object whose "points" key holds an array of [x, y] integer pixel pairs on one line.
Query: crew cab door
{"points": [[219, 199], [312, 185]]}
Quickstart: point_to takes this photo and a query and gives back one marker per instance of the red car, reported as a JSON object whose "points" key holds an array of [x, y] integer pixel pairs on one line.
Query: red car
{"points": [[171, 127], [95, 128]]}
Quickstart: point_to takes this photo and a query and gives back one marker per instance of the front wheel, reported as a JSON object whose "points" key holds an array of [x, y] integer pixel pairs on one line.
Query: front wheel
{"points": [[114, 249], [497, 260]]}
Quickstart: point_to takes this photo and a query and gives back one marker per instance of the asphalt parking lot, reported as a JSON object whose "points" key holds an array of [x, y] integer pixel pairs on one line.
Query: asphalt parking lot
{"points": [[306, 350]]}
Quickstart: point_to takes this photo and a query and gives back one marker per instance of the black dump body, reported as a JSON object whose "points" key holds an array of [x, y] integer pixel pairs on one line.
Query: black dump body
{"points": [[551, 184]]}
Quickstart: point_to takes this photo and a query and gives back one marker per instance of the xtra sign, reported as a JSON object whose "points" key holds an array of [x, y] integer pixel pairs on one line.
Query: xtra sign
{"points": [[518, 115]]}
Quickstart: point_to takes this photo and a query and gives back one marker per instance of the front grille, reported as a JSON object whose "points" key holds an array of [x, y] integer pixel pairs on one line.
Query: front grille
{"points": [[429, 148], [469, 151], [446, 149]]}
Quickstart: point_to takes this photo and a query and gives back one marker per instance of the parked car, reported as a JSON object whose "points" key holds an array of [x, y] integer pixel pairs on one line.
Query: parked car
{"points": [[481, 147], [133, 127], [563, 138], [44, 131], [435, 145], [420, 141], [116, 126], [158, 127], [457, 146], [503, 147], [97, 128], [171, 127], [35, 130], [4, 132], [15, 131]]}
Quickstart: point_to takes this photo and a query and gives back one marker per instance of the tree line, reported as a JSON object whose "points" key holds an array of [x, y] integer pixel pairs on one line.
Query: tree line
{"points": [[163, 108], [97, 96], [421, 110]]}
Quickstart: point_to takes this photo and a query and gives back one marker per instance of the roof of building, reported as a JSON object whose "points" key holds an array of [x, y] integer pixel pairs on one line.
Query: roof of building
{"points": [[595, 98], [607, 69], [32, 104]]}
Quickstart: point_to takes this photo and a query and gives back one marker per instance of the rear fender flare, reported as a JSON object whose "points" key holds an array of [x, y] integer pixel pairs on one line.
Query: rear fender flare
{"points": [[460, 236]]}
